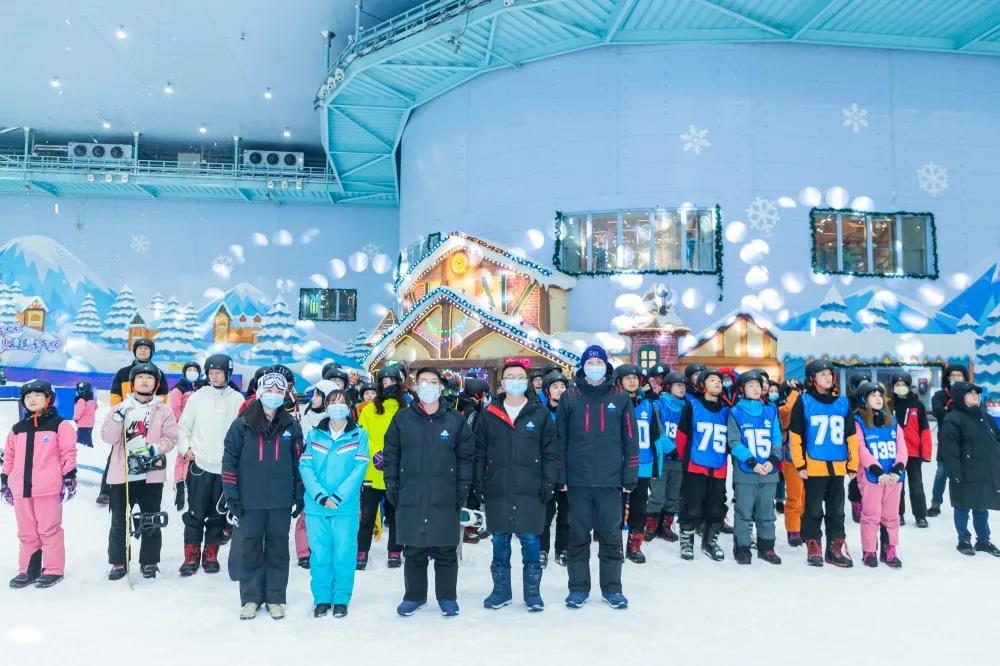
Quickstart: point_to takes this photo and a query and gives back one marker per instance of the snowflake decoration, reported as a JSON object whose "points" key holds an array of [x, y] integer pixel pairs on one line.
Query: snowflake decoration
{"points": [[855, 117], [139, 243], [370, 249], [695, 140], [933, 178], [222, 265], [762, 215]]}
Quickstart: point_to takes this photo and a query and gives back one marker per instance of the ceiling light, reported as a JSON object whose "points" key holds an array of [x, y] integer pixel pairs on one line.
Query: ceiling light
{"points": [[287, 133], [267, 93], [203, 130], [106, 125], [55, 83], [120, 32], [168, 89]]}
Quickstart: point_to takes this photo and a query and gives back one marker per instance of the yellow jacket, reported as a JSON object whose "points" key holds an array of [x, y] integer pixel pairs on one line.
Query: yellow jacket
{"points": [[796, 442], [376, 426]]}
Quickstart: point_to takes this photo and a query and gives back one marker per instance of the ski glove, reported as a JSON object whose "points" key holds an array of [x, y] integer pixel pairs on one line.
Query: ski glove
{"points": [[179, 495], [378, 461], [120, 412], [68, 490], [5, 492], [297, 508]]}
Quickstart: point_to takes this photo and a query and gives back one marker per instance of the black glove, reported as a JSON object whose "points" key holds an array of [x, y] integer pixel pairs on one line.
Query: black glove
{"points": [[547, 493], [898, 469], [480, 496], [179, 495], [391, 493], [235, 508], [876, 470], [297, 508]]}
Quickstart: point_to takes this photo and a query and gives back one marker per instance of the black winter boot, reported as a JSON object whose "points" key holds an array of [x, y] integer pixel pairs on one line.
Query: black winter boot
{"points": [[29, 577], [687, 545], [987, 547], [742, 554], [765, 551], [710, 543]]}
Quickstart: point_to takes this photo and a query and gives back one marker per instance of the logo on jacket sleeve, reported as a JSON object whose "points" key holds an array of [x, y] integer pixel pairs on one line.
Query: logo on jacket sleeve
{"points": [[444, 434], [45, 439], [611, 407], [530, 427]]}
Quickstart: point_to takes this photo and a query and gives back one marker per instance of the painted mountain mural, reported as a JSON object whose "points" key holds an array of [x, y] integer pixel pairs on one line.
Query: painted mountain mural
{"points": [[47, 270]]}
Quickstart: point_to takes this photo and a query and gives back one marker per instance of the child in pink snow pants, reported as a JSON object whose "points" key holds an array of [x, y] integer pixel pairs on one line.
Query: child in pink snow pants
{"points": [[39, 474], [883, 454]]}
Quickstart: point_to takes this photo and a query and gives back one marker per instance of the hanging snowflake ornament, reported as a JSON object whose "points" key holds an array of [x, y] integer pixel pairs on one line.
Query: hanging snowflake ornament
{"points": [[370, 249], [222, 265], [695, 140], [933, 178], [762, 215], [855, 117], [139, 243]]}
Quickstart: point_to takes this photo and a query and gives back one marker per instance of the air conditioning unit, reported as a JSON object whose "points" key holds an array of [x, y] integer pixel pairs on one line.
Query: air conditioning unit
{"points": [[106, 152], [273, 159]]}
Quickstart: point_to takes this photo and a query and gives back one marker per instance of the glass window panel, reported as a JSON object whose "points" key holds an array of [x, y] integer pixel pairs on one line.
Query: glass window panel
{"points": [[667, 239], [884, 243], [692, 238], [571, 235], [634, 252], [915, 244], [825, 242], [604, 240], [706, 241], [855, 242]]}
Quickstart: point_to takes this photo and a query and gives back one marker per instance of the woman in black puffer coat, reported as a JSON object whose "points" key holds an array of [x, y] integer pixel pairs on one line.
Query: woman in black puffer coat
{"points": [[969, 444]]}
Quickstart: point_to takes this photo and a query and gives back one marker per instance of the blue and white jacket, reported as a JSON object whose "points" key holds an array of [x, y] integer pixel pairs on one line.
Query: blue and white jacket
{"points": [[334, 468]]}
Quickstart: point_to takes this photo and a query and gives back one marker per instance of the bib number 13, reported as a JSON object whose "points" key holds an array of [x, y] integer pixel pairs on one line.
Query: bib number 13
{"points": [[828, 429], [714, 435]]}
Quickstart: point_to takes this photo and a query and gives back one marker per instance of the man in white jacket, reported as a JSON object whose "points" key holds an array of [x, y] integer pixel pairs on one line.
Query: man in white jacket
{"points": [[202, 430]]}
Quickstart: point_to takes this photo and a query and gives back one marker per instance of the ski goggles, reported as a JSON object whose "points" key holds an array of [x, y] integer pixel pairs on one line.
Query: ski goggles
{"points": [[272, 380]]}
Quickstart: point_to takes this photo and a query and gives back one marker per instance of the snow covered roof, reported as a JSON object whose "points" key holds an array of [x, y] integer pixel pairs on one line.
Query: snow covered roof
{"points": [[877, 343], [539, 342], [22, 302], [479, 250], [723, 322]]}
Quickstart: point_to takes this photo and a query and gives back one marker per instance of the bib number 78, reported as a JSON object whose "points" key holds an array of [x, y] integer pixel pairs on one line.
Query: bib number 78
{"points": [[712, 434], [828, 429]]}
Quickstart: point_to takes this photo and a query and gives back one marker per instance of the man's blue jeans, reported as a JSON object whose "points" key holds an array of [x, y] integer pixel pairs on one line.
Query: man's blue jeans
{"points": [[940, 479], [531, 548], [980, 522]]}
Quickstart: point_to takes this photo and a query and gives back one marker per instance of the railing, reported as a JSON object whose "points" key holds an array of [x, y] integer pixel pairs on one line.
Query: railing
{"points": [[16, 161]]}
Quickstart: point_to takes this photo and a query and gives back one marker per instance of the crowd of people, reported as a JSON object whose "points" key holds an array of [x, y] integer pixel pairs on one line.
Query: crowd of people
{"points": [[431, 463]]}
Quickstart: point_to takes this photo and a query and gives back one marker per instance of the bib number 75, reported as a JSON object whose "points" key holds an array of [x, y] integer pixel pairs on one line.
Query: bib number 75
{"points": [[712, 434], [828, 429]]}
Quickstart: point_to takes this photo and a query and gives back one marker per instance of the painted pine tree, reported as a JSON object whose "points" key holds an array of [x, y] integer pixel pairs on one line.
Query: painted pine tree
{"points": [[8, 308], [874, 314], [357, 349], [174, 339], [87, 323], [834, 309], [157, 305], [988, 353], [278, 333], [118, 318]]}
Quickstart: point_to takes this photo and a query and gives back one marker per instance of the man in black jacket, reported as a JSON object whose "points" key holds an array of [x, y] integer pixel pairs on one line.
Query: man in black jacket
{"points": [[941, 405], [969, 444], [515, 475], [427, 464], [600, 458]]}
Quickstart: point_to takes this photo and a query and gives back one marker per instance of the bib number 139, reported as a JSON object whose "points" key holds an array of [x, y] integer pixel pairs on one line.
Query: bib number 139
{"points": [[828, 429]]}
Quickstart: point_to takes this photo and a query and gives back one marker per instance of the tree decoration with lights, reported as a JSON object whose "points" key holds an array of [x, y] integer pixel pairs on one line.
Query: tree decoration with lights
{"points": [[816, 268], [717, 271]]}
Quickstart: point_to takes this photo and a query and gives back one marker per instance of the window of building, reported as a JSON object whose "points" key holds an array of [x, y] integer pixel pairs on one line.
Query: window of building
{"points": [[649, 355], [879, 244], [328, 304], [638, 240]]}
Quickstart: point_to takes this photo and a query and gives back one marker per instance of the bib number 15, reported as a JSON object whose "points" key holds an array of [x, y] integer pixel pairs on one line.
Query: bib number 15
{"points": [[712, 434], [828, 429]]}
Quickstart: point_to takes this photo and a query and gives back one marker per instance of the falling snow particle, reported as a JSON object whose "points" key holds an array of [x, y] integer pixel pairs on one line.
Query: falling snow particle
{"points": [[139, 243], [855, 117], [695, 140], [933, 178], [222, 265], [762, 215]]}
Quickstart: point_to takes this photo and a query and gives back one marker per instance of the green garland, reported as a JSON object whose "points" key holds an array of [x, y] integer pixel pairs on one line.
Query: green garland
{"points": [[933, 275], [717, 271]]}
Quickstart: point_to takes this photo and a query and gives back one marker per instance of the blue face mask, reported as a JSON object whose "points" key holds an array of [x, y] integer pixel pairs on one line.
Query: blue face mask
{"points": [[594, 372], [773, 397], [515, 387], [727, 384], [272, 401], [428, 393], [338, 411]]}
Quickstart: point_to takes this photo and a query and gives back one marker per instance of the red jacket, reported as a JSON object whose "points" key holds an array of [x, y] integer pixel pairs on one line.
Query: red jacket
{"points": [[911, 415]]}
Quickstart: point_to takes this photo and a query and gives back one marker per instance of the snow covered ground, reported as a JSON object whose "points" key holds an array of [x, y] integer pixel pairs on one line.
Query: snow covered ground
{"points": [[940, 606]]}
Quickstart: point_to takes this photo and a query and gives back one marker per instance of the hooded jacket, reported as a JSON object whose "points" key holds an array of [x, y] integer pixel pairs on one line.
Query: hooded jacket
{"points": [[334, 468], [39, 454], [598, 442], [941, 402], [260, 463], [121, 386], [970, 450], [911, 415], [161, 432], [204, 423]]}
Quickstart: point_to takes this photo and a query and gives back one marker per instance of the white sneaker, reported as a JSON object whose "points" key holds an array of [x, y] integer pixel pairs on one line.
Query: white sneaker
{"points": [[249, 611], [277, 611]]}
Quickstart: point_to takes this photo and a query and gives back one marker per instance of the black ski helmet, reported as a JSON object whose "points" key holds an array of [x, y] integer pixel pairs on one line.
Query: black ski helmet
{"points": [[145, 369], [551, 379], [84, 388], [626, 369], [705, 374], [865, 390], [219, 362], [672, 378], [658, 370], [191, 364], [475, 386], [37, 386], [144, 342], [817, 366], [749, 376], [337, 373], [332, 365], [692, 369], [365, 386], [900, 376]]}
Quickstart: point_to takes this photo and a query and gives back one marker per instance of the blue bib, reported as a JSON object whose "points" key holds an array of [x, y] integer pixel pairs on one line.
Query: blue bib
{"points": [[825, 439], [755, 433], [644, 416], [881, 443], [708, 436]]}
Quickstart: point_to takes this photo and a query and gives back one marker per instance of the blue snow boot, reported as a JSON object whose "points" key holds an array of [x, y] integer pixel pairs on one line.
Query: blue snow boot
{"points": [[532, 585], [576, 599], [449, 607], [408, 608], [501, 594], [616, 600]]}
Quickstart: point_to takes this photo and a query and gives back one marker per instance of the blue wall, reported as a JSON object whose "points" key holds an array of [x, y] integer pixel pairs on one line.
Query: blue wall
{"points": [[601, 129]]}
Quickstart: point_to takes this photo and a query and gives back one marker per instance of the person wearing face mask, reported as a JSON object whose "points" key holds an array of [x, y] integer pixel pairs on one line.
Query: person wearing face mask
{"points": [[911, 415], [554, 386], [428, 460], [202, 430], [315, 410], [375, 419], [263, 490], [470, 404], [599, 451], [332, 468], [941, 405], [729, 395], [514, 479], [969, 446], [665, 492], [185, 387], [772, 396], [824, 450], [139, 429]]}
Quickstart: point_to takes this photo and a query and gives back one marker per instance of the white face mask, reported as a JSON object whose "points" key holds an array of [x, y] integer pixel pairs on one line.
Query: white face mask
{"points": [[191, 376]]}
